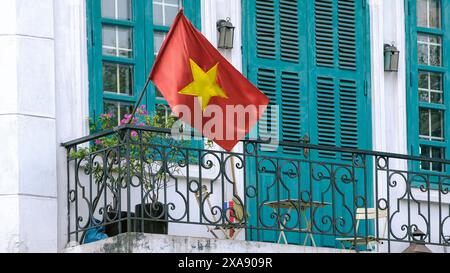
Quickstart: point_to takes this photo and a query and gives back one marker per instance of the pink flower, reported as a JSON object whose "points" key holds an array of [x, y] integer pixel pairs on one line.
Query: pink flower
{"points": [[106, 116], [124, 121], [140, 124], [127, 116], [143, 107], [98, 142], [134, 133]]}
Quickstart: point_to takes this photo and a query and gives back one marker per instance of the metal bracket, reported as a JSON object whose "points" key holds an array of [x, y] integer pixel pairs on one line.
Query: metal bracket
{"points": [[305, 140]]}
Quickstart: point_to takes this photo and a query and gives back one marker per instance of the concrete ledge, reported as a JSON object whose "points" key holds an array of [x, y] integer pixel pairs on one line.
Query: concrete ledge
{"points": [[156, 243]]}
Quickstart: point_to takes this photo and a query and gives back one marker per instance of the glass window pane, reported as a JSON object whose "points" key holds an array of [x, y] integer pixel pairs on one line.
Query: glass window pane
{"points": [[172, 2], [424, 122], [436, 97], [109, 40], [170, 14], [109, 77], [429, 49], [125, 42], [435, 55], [425, 152], [117, 9], [432, 152], [437, 153], [436, 123], [125, 108], [163, 112], [118, 78], [421, 6], [110, 107], [428, 13], [423, 80], [124, 9], [158, 14], [108, 9], [422, 54], [434, 14], [126, 79], [158, 39], [430, 87], [117, 109], [435, 81], [117, 41], [424, 96]]}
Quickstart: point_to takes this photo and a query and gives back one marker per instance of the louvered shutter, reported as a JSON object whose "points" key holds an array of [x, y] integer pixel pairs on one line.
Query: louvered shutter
{"points": [[276, 67], [340, 76]]}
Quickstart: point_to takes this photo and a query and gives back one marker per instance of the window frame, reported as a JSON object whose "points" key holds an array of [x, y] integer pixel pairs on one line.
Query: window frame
{"points": [[143, 52], [414, 104]]}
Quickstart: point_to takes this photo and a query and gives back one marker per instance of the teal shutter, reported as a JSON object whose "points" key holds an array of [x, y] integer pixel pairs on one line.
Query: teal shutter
{"points": [[339, 76], [309, 57], [321, 92], [277, 65]]}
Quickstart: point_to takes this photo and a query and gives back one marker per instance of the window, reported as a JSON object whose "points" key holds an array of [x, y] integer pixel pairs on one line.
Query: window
{"points": [[428, 111], [429, 13], [429, 49], [125, 38]]}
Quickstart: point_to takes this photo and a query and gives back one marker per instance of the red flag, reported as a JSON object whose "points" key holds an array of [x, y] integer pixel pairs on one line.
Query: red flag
{"points": [[192, 75]]}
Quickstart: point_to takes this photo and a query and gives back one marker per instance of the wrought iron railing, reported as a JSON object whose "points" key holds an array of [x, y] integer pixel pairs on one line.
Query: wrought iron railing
{"points": [[138, 179]]}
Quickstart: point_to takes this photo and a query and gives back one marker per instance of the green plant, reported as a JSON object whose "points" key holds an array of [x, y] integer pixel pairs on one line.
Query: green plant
{"points": [[151, 157]]}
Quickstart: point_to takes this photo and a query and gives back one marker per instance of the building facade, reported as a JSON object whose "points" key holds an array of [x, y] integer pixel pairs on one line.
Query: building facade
{"points": [[322, 62]]}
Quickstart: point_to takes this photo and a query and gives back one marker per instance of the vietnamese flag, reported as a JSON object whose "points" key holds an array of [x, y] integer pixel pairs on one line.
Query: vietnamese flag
{"points": [[203, 89]]}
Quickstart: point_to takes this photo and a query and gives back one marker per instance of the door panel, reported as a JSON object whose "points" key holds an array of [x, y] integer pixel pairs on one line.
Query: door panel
{"points": [[308, 57]]}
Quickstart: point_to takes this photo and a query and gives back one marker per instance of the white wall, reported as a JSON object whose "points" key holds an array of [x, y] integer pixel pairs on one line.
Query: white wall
{"points": [[28, 196]]}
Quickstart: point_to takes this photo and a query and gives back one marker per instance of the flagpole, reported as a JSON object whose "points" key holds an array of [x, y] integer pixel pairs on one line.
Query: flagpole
{"points": [[139, 100]]}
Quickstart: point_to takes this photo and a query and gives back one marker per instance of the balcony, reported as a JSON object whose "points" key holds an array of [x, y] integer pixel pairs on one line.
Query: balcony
{"points": [[140, 180]]}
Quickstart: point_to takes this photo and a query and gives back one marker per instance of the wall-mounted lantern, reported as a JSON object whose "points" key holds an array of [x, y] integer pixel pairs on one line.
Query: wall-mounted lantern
{"points": [[226, 34], [418, 243], [391, 57]]}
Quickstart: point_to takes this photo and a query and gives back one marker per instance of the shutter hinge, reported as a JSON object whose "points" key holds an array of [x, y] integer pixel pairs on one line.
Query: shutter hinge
{"points": [[365, 88], [92, 38], [364, 4]]}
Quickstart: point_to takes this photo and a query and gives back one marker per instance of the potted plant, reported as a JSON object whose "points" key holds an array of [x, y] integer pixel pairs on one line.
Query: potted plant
{"points": [[149, 168]]}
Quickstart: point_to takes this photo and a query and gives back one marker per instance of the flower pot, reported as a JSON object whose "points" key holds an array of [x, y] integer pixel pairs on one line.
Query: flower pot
{"points": [[152, 218], [112, 229]]}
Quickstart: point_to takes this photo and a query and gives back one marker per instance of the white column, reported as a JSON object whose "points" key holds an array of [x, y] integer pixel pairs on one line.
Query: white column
{"points": [[72, 92], [387, 25], [395, 82], [28, 195]]}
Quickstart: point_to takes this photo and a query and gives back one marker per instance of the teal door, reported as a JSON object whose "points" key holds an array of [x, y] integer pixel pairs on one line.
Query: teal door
{"points": [[310, 57]]}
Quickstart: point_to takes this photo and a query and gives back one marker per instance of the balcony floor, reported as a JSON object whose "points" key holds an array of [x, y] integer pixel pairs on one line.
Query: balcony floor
{"points": [[156, 243]]}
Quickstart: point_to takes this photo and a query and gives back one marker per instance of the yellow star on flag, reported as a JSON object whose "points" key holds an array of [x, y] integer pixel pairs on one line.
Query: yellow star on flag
{"points": [[204, 86]]}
